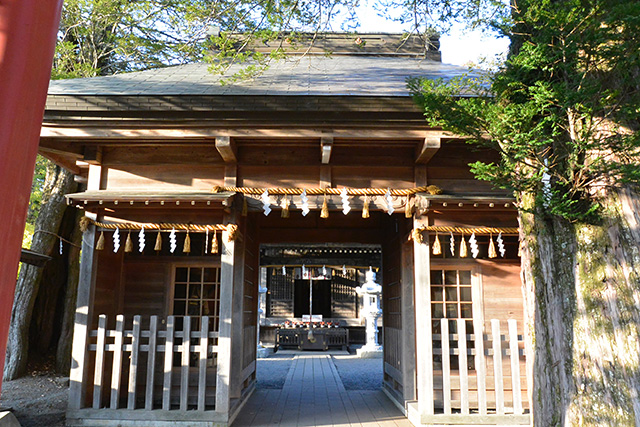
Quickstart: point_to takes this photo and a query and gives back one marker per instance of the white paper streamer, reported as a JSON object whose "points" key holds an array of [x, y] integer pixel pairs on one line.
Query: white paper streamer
{"points": [[141, 240], [324, 270], [452, 244], [546, 185], [344, 270], [266, 203], [474, 245], [284, 270], [116, 240], [61, 246], [501, 245], [305, 202], [346, 207], [206, 241], [389, 201], [172, 241]]}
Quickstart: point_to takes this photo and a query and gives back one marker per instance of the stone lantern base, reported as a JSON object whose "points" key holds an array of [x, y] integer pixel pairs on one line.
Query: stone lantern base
{"points": [[370, 352]]}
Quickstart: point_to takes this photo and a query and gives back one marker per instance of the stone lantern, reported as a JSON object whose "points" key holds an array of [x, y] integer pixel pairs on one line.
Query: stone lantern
{"points": [[371, 293]]}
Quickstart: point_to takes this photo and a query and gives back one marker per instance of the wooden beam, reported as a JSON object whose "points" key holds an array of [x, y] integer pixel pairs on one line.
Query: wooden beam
{"points": [[325, 176], [227, 149], [428, 149], [231, 175], [62, 160], [93, 155], [326, 144], [206, 134]]}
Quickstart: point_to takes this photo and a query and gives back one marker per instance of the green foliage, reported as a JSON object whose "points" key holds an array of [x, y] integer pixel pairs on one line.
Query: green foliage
{"points": [[566, 103], [37, 185]]}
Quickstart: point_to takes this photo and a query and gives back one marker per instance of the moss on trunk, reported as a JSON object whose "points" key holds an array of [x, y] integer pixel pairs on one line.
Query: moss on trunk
{"points": [[582, 302]]}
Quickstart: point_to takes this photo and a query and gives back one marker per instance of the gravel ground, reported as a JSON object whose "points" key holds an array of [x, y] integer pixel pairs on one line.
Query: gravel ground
{"points": [[40, 398], [355, 373], [359, 374], [271, 372], [37, 400]]}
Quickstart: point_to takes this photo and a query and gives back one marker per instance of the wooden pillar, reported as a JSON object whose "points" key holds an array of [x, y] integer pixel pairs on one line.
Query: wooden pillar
{"points": [[27, 39], [237, 322], [408, 325], [424, 345], [226, 314], [82, 324]]}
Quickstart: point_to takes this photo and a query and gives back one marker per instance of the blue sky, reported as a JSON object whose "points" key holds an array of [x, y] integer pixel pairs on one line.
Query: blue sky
{"points": [[459, 47]]}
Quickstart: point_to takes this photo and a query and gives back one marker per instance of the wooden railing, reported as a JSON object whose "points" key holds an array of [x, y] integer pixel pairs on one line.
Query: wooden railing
{"points": [[152, 377], [490, 378]]}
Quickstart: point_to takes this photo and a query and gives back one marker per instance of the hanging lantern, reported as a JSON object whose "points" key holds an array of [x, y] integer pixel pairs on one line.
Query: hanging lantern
{"points": [[492, 248], [128, 245], [463, 248], [365, 207], [285, 207], [187, 244], [158, 246], [100, 244], [437, 249], [214, 243], [324, 213]]}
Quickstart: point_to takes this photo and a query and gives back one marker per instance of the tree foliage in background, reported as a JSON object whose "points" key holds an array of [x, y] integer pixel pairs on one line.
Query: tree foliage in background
{"points": [[564, 113]]}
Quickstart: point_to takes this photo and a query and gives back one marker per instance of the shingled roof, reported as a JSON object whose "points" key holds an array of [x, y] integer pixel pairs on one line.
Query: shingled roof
{"points": [[306, 76]]}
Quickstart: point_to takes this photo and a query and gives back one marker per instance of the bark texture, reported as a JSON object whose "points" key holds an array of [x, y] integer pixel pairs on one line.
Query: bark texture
{"points": [[63, 350], [581, 287], [58, 183]]}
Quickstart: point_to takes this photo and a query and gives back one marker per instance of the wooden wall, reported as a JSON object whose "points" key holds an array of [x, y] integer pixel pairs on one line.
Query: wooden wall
{"points": [[392, 291]]}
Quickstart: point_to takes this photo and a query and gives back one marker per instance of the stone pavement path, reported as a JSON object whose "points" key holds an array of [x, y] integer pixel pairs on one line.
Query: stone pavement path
{"points": [[313, 395]]}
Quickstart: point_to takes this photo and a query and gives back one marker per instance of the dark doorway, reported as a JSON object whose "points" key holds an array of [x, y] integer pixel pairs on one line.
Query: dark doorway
{"points": [[321, 298]]}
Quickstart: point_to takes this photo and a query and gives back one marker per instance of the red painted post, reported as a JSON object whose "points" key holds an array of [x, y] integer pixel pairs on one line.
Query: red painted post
{"points": [[27, 40]]}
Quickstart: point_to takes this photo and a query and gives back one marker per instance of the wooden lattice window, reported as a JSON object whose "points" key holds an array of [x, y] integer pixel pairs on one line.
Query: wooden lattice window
{"points": [[197, 293], [452, 298], [280, 293]]}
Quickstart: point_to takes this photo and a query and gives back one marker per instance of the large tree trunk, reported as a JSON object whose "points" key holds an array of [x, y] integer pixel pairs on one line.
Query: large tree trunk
{"points": [[63, 351], [58, 183], [582, 301]]}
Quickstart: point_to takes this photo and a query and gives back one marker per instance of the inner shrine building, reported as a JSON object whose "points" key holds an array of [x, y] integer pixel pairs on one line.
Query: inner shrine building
{"points": [[208, 204]]}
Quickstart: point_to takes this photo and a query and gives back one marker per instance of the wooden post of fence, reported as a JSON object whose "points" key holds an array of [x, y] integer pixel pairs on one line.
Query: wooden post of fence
{"points": [[116, 368], [480, 364], [514, 349], [184, 371], [202, 368], [463, 366], [133, 363], [151, 362], [168, 364], [446, 365], [98, 376], [497, 365]]}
